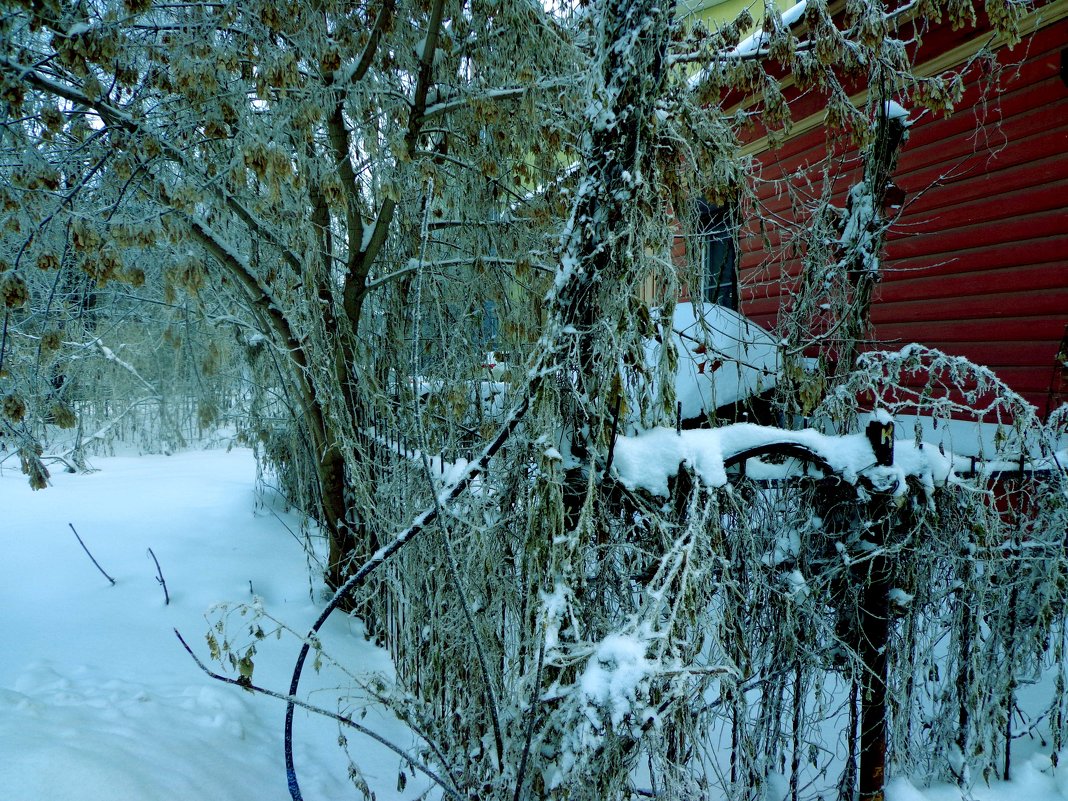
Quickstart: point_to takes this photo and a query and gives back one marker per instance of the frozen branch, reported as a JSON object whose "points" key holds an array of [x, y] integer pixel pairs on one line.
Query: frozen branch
{"points": [[84, 548], [292, 700], [383, 555], [109, 354], [159, 579]]}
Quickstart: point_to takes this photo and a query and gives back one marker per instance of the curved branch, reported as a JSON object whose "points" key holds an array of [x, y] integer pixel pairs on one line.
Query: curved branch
{"points": [[383, 555], [318, 710], [415, 127], [356, 70]]}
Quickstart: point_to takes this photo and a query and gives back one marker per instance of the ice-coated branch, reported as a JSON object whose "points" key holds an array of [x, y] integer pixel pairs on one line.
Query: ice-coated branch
{"points": [[116, 117], [465, 605], [110, 355], [440, 109], [84, 548], [377, 238], [355, 70], [383, 555], [159, 579]]}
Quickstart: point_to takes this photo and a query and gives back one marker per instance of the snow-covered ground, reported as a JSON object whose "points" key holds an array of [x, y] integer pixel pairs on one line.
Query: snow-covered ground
{"points": [[97, 698], [99, 701]]}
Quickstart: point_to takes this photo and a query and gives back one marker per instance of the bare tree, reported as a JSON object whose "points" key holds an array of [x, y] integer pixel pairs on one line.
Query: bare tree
{"points": [[431, 228]]}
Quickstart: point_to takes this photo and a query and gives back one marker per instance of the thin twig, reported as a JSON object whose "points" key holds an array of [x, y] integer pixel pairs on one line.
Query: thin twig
{"points": [[450, 559], [159, 578], [384, 554], [532, 716], [98, 567], [246, 683], [3, 339], [612, 438]]}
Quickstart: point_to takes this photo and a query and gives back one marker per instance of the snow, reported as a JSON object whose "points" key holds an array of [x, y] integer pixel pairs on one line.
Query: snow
{"points": [[899, 596], [614, 676], [723, 358], [554, 608], [858, 238], [895, 111], [964, 438], [649, 459], [568, 265], [882, 416], [1034, 780], [753, 44], [97, 698]]}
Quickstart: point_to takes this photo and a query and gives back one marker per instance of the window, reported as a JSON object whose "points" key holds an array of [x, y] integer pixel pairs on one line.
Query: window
{"points": [[719, 255]]}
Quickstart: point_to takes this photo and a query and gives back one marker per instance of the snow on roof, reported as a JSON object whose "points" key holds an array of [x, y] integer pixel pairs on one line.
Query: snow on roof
{"points": [[896, 111], [723, 358], [753, 43]]}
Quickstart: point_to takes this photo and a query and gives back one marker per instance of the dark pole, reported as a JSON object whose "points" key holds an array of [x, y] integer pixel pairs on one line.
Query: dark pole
{"points": [[875, 628]]}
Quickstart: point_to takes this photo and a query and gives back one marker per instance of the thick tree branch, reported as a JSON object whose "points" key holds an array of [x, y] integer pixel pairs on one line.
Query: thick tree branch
{"points": [[443, 108], [411, 138], [355, 70]]}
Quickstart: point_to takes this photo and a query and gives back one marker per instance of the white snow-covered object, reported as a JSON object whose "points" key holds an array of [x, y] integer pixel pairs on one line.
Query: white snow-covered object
{"points": [[895, 111], [723, 358], [756, 42], [614, 676], [647, 461]]}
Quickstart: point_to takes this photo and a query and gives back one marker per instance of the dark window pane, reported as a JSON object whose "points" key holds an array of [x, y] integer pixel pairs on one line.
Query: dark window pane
{"points": [[719, 256]]}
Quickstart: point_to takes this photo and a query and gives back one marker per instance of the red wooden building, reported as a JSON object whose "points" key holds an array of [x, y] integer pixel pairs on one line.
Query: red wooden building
{"points": [[977, 263]]}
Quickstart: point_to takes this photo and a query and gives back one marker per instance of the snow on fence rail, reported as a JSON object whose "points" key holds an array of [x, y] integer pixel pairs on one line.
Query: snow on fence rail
{"points": [[648, 460], [875, 572]]}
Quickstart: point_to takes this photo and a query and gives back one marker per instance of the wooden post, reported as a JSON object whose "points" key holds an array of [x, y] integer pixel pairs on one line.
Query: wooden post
{"points": [[874, 636], [880, 433], [874, 631]]}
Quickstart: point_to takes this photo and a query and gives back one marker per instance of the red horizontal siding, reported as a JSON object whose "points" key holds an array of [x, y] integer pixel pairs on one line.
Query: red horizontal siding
{"points": [[947, 241], [1014, 122], [988, 306], [1038, 196], [1048, 250], [1007, 355], [1032, 381], [1027, 278], [1020, 83], [977, 265], [950, 333], [976, 121], [1032, 161]]}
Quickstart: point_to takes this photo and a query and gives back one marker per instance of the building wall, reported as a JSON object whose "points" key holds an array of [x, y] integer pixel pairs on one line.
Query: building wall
{"points": [[711, 12], [977, 264]]}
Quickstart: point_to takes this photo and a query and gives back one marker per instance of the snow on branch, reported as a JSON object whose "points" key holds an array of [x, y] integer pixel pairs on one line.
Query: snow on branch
{"points": [[918, 378], [110, 355]]}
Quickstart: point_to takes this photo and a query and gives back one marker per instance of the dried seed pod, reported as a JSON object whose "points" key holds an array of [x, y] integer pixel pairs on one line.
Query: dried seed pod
{"points": [[63, 415], [33, 467], [14, 294], [13, 408], [51, 341]]}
